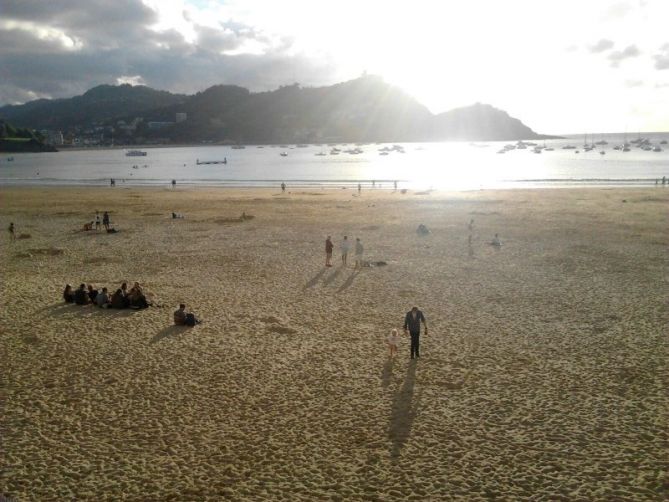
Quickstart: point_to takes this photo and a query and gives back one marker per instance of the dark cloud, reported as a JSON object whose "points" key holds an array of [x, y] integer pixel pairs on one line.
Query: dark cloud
{"points": [[601, 46], [662, 59], [631, 51], [91, 42]]}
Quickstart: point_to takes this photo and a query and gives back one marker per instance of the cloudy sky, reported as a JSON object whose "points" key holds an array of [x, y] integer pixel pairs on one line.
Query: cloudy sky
{"points": [[560, 66]]}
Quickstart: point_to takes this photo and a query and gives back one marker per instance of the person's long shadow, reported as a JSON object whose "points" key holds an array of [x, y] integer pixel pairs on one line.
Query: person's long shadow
{"points": [[403, 412], [312, 282], [332, 276], [168, 332], [387, 373], [349, 280]]}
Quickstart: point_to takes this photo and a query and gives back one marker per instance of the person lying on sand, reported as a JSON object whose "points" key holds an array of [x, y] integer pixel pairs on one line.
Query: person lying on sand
{"points": [[183, 318]]}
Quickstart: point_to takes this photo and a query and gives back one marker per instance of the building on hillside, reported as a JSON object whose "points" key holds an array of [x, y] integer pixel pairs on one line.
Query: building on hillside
{"points": [[155, 126], [181, 117], [52, 137]]}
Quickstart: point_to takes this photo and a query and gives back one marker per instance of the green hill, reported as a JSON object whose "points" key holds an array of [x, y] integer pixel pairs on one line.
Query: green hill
{"points": [[362, 110]]}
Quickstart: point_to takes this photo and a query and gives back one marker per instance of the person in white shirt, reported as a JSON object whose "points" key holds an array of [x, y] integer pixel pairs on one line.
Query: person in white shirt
{"points": [[358, 253], [393, 339], [345, 248]]}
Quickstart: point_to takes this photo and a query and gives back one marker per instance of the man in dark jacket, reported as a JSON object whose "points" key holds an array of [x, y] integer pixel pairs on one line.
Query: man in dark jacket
{"points": [[412, 325]]}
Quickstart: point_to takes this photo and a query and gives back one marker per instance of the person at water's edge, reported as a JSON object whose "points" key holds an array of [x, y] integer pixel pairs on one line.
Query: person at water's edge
{"points": [[412, 324]]}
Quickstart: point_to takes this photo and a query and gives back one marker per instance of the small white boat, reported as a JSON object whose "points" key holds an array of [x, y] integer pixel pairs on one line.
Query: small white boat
{"points": [[284, 154], [135, 153]]}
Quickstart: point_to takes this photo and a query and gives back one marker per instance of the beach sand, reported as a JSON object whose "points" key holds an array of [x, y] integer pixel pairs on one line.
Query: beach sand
{"points": [[543, 374]]}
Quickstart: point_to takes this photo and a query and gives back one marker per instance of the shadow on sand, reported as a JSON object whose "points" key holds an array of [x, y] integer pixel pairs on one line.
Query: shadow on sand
{"points": [[168, 332], [330, 278], [312, 282], [62, 309], [387, 373], [404, 411], [348, 281]]}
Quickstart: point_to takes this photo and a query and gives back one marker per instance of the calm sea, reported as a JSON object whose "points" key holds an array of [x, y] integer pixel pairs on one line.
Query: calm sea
{"points": [[448, 165]]}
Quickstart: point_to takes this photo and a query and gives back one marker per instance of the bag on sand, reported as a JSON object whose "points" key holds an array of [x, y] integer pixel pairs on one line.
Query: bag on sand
{"points": [[190, 320]]}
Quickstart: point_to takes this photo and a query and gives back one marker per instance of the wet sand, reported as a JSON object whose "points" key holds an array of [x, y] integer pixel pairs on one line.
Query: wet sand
{"points": [[543, 375]]}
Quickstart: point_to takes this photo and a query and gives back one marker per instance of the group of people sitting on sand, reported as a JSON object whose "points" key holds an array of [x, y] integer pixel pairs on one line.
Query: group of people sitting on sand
{"points": [[100, 221], [121, 299]]}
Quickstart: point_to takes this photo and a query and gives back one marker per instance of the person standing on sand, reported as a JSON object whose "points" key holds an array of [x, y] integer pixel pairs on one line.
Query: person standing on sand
{"points": [[283, 187], [97, 220], [345, 248], [328, 251], [358, 253], [105, 220], [359, 188], [12, 232], [412, 325]]}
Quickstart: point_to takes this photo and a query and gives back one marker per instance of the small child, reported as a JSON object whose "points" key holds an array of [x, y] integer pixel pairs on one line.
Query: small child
{"points": [[392, 340]]}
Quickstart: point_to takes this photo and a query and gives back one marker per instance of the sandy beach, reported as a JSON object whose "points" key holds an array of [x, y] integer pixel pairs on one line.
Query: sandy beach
{"points": [[543, 375]]}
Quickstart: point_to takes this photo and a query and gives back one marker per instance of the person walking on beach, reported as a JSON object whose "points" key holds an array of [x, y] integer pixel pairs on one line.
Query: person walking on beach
{"points": [[97, 220], [105, 220], [328, 251], [345, 248], [358, 253], [412, 325], [174, 183], [283, 187], [12, 232], [359, 188]]}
